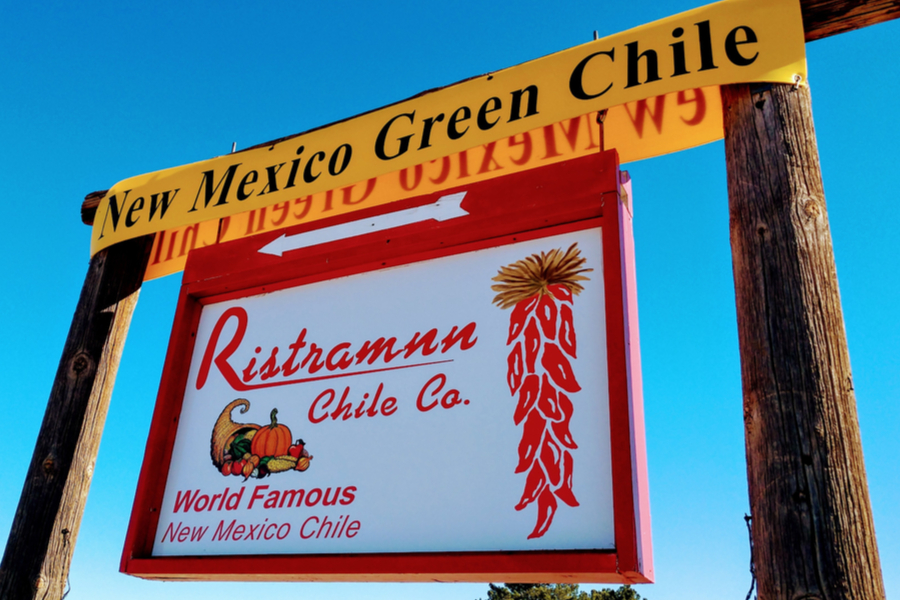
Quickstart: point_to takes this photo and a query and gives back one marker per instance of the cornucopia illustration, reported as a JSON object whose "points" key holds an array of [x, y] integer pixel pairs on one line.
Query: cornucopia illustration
{"points": [[251, 450]]}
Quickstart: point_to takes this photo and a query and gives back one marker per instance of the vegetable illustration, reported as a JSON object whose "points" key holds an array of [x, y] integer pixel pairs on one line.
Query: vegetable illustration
{"points": [[251, 464], [272, 440], [297, 449], [226, 431], [248, 450], [282, 463], [540, 289]]}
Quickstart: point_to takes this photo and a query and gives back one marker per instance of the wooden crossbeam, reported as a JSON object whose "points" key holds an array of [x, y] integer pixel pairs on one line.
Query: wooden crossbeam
{"points": [[825, 18]]}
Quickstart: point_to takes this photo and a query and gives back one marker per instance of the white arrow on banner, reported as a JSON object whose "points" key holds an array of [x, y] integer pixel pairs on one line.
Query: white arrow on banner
{"points": [[445, 208]]}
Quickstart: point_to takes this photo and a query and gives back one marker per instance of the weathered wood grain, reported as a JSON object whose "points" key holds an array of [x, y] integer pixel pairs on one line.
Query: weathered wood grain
{"points": [[90, 205], [825, 18], [813, 533], [42, 539]]}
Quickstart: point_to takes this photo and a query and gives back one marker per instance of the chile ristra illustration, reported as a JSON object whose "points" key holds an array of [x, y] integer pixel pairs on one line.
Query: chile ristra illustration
{"points": [[540, 290]]}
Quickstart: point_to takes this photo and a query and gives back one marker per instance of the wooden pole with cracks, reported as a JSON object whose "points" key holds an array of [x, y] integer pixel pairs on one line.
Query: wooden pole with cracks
{"points": [[42, 539], [813, 534]]}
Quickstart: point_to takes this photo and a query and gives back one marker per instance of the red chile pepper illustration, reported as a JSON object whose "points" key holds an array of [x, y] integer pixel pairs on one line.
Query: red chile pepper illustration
{"points": [[540, 290]]}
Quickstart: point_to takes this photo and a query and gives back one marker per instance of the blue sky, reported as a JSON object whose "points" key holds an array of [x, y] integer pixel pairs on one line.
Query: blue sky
{"points": [[97, 92]]}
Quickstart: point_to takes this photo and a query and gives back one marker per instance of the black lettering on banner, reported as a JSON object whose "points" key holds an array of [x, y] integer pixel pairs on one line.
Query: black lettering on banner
{"points": [[634, 58], [136, 206], [515, 111], [206, 187], [161, 205], [332, 164], [706, 52], [382, 138], [113, 207], [678, 60], [249, 179], [495, 105], [461, 114], [427, 125], [576, 80], [732, 43], [308, 177], [295, 164], [271, 183]]}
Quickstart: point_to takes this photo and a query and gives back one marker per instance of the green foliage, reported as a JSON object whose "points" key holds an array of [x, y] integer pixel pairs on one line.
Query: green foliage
{"points": [[560, 591], [626, 592]]}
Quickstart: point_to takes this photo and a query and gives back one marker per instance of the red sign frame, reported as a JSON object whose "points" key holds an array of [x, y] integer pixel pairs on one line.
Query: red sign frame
{"points": [[501, 211]]}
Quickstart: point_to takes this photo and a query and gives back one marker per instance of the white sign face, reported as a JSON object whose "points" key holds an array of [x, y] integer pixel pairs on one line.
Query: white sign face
{"points": [[400, 384]]}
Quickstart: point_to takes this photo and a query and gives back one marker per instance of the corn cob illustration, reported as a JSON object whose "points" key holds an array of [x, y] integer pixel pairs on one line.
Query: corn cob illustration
{"points": [[540, 290]]}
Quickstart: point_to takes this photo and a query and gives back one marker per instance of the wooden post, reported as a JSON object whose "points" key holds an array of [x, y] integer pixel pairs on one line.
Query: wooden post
{"points": [[42, 538], [813, 535], [824, 18]]}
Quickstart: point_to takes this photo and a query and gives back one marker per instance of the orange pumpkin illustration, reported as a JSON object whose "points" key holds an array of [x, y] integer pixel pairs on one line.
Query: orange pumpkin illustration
{"points": [[273, 439]]}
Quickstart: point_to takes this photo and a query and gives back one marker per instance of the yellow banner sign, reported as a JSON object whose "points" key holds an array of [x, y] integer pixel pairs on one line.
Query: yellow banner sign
{"points": [[728, 42], [637, 129]]}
